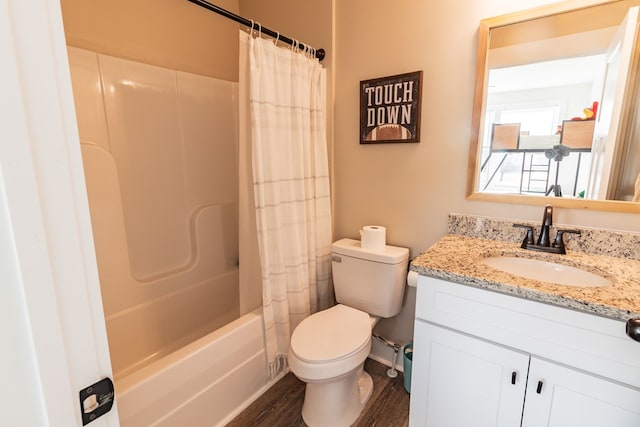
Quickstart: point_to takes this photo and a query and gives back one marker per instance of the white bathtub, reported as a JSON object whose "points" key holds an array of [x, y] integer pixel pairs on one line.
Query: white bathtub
{"points": [[206, 383]]}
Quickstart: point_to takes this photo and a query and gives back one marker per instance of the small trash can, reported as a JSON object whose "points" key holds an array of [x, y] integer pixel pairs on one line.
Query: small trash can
{"points": [[408, 360]]}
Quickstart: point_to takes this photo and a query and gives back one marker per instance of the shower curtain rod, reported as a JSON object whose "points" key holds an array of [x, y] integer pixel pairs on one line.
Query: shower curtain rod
{"points": [[320, 53]]}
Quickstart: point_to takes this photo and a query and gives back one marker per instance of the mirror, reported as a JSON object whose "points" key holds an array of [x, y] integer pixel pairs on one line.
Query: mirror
{"points": [[554, 117]]}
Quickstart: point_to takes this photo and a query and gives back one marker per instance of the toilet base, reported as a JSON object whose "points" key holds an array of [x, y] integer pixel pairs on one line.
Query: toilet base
{"points": [[337, 403]]}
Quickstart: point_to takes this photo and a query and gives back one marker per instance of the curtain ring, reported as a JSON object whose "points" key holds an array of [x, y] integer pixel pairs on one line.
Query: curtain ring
{"points": [[259, 29], [251, 29], [277, 38]]}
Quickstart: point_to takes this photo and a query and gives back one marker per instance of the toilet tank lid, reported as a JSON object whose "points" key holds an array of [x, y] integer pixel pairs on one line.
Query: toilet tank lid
{"points": [[386, 255]]}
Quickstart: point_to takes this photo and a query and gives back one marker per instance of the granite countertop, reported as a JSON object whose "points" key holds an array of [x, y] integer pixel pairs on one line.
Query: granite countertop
{"points": [[457, 258]]}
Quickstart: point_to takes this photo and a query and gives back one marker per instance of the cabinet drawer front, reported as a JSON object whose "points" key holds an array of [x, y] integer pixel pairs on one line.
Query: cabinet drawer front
{"points": [[584, 341]]}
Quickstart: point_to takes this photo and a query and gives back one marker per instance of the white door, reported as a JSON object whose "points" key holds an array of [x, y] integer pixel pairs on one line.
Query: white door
{"points": [[54, 338], [558, 396], [461, 381], [612, 114]]}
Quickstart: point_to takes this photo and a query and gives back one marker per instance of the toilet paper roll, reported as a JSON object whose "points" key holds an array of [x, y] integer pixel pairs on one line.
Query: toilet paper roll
{"points": [[373, 237], [412, 279]]}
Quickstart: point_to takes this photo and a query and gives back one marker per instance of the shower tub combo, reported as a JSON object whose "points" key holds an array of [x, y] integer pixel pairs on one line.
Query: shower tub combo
{"points": [[160, 152]]}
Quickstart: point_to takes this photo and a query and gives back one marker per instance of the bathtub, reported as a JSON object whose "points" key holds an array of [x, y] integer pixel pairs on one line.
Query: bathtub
{"points": [[206, 383]]}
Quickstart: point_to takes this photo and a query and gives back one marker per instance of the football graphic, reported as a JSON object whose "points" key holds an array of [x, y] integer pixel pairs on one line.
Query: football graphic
{"points": [[388, 132]]}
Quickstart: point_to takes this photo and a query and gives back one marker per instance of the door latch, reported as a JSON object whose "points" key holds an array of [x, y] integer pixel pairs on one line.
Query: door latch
{"points": [[96, 400]]}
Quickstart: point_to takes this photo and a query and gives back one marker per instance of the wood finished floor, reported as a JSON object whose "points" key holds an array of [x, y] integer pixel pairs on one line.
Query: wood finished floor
{"points": [[281, 405]]}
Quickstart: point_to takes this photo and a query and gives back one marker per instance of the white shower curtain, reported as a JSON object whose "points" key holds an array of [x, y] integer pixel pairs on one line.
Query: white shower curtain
{"points": [[285, 91]]}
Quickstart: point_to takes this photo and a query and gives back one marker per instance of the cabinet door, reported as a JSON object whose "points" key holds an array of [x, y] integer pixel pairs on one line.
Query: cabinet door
{"points": [[558, 396], [461, 381]]}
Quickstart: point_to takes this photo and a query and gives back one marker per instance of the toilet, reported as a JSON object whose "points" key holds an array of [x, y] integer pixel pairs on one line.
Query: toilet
{"points": [[328, 349]]}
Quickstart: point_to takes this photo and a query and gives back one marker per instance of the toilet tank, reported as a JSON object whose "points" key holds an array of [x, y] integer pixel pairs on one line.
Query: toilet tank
{"points": [[371, 281]]}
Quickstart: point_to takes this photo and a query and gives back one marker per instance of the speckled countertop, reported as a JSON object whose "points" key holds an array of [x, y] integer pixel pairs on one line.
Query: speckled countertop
{"points": [[458, 258]]}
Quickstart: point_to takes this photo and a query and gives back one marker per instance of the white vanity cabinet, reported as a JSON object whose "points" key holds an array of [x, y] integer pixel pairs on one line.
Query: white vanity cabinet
{"points": [[483, 358]]}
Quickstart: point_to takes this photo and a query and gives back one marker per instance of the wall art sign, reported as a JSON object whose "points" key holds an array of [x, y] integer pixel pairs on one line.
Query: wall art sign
{"points": [[390, 109]]}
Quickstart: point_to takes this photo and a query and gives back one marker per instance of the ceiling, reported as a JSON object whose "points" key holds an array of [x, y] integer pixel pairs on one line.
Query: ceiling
{"points": [[559, 72]]}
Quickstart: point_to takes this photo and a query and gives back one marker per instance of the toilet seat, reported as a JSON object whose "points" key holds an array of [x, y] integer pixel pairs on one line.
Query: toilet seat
{"points": [[331, 335]]}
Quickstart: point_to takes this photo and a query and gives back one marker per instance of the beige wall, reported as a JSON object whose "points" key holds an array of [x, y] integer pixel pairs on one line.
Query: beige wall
{"points": [[173, 34], [411, 188]]}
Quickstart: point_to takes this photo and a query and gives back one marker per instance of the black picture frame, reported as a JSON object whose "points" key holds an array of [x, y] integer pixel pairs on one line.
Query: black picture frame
{"points": [[390, 109]]}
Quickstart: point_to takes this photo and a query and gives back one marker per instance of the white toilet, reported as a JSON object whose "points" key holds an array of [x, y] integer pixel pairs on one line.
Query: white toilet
{"points": [[328, 349]]}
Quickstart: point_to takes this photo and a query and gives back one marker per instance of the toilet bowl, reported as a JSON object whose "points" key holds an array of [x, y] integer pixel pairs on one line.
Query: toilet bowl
{"points": [[328, 351]]}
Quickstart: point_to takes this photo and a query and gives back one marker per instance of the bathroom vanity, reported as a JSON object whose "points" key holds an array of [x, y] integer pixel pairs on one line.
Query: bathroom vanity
{"points": [[495, 349]]}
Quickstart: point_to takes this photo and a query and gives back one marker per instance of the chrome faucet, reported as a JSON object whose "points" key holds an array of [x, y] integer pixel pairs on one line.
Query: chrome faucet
{"points": [[544, 241]]}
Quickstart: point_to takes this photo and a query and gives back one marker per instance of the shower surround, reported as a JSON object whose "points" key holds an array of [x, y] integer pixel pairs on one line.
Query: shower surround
{"points": [[160, 156]]}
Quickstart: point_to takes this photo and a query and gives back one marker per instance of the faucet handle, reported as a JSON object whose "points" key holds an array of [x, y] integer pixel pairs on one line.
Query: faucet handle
{"points": [[528, 238], [547, 218], [559, 242]]}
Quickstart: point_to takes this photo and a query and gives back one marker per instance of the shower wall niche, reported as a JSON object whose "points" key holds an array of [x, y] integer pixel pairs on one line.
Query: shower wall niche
{"points": [[160, 153]]}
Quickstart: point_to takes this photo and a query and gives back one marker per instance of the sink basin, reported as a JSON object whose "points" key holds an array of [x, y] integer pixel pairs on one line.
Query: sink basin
{"points": [[546, 271]]}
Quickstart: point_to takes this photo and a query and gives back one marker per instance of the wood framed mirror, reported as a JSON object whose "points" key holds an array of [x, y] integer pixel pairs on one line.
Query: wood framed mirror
{"points": [[566, 76]]}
